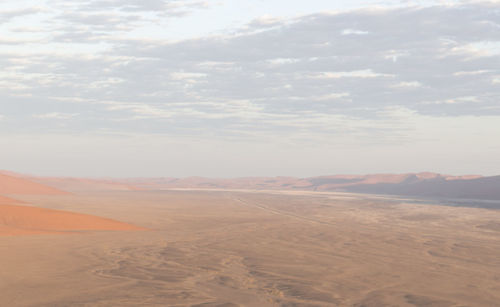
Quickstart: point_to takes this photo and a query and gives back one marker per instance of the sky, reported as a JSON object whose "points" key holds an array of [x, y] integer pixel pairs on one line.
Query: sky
{"points": [[232, 88]]}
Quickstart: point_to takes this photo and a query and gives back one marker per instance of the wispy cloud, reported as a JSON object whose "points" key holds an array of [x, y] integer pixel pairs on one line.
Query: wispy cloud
{"points": [[8, 15], [55, 115], [103, 66], [366, 73]]}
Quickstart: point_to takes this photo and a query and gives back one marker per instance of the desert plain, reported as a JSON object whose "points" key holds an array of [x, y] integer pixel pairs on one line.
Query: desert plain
{"points": [[195, 247]]}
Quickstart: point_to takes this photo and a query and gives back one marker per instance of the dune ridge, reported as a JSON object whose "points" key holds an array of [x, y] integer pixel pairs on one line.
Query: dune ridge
{"points": [[76, 185], [17, 218], [423, 184], [16, 185], [319, 183], [9, 201], [25, 220]]}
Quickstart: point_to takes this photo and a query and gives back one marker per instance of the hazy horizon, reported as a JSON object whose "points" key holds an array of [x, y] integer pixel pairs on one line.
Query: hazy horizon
{"points": [[249, 88], [48, 175]]}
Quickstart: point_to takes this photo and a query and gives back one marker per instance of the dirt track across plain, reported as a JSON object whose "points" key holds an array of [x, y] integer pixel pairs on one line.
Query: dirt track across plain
{"points": [[228, 248]]}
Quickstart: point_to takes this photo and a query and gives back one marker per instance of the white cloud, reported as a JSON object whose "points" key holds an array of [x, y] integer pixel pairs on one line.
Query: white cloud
{"points": [[353, 32], [457, 100], [407, 84], [330, 96], [55, 115], [477, 49], [187, 75], [268, 20], [472, 72], [141, 111], [365, 73], [282, 61]]}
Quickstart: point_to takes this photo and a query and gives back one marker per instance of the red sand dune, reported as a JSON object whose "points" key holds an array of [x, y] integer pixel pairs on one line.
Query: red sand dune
{"points": [[17, 185], [83, 184], [16, 219], [9, 201], [69, 184], [25, 220]]}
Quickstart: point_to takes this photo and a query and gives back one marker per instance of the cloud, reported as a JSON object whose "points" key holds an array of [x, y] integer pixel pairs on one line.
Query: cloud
{"points": [[54, 115], [8, 15], [167, 7], [372, 88], [353, 32], [456, 100], [311, 75], [365, 73], [187, 75], [101, 21], [408, 84]]}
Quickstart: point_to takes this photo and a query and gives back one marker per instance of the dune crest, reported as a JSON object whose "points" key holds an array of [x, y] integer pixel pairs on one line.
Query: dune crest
{"points": [[16, 219], [9, 201], [76, 185], [17, 185]]}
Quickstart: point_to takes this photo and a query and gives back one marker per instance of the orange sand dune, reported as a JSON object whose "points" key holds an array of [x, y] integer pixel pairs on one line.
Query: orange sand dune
{"points": [[24, 220], [83, 184], [17, 185], [71, 184], [9, 201]]}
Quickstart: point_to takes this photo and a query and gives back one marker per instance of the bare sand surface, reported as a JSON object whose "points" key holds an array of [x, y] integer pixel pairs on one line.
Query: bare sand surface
{"points": [[230, 248], [79, 185], [17, 218], [16, 185], [9, 201]]}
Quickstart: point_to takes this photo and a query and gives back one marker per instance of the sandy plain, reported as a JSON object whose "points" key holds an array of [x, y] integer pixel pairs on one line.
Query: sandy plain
{"points": [[237, 248]]}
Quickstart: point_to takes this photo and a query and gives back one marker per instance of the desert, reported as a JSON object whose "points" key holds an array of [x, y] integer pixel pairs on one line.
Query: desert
{"points": [[242, 153], [238, 247], [19, 218]]}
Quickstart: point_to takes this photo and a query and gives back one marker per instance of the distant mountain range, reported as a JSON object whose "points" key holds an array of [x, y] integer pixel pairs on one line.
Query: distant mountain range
{"points": [[414, 184], [428, 185]]}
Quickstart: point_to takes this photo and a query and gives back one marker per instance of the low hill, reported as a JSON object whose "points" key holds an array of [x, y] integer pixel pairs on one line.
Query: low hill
{"points": [[424, 184], [412, 184], [486, 188]]}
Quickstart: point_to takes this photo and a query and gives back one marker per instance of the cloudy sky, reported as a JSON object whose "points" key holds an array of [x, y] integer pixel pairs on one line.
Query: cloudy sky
{"points": [[229, 88]]}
